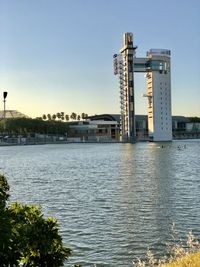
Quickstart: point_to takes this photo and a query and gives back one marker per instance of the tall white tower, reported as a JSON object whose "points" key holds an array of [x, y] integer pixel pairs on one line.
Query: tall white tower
{"points": [[157, 68], [159, 95]]}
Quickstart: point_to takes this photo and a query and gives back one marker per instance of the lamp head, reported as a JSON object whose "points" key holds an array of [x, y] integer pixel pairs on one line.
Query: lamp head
{"points": [[5, 94]]}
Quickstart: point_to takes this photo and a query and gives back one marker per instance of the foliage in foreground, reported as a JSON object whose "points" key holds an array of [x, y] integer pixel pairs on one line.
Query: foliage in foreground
{"points": [[191, 260], [181, 255], [26, 237]]}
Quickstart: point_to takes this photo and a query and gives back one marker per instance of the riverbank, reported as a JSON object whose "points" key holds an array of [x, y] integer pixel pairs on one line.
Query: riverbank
{"points": [[57, 143], [49, 142]]}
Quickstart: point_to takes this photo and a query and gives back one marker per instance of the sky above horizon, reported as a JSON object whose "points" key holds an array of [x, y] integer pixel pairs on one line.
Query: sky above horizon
{"points": [[57, 55]]}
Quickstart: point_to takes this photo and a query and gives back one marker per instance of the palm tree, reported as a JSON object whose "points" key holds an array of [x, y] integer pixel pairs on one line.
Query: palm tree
{"points": [[49, 116], [62, 115], [67, 117], [58, 115], [44, 117], [83, 116], [73, 116]]}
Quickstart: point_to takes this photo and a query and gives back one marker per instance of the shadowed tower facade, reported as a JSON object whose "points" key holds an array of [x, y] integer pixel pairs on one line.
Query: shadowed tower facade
{"points": [[124, 66]]}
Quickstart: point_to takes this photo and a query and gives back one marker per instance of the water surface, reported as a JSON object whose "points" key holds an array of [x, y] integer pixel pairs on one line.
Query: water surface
{"points": [[113, 201]]}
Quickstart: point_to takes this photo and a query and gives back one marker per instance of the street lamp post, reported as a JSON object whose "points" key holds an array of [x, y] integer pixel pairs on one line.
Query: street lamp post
{"points": [[4, 100], [4, 110]]}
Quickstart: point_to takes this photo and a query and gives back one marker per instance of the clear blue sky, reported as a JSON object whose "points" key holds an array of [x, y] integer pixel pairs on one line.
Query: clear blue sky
{"points": [[56, 55]]}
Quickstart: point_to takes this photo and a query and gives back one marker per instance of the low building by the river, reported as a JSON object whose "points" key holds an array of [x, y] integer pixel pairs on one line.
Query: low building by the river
{"points": [[99, 128], [106, 127]]}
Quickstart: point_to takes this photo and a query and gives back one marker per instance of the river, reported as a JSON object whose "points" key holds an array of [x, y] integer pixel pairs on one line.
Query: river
{"points": [[113, 201]]}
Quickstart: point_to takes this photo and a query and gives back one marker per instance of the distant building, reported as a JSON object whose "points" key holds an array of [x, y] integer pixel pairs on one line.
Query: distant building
{"points": [[179, 123], [102, 128], [141, 122], [106, 128], [12, 114], [182, 128]]}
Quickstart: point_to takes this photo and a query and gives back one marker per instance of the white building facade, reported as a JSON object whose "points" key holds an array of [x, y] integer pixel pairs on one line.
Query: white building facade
{"points": [[159, 96]]}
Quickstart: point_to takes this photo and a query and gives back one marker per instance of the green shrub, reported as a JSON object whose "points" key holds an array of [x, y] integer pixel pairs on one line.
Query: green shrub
{"points": [[26, 237], [180, 255]]}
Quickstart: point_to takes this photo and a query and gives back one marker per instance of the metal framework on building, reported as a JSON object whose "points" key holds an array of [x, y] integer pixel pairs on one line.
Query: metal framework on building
{"points": [[124, 68]]}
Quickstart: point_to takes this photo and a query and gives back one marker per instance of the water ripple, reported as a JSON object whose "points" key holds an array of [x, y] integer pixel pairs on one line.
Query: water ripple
{"points": [[113, 201]]}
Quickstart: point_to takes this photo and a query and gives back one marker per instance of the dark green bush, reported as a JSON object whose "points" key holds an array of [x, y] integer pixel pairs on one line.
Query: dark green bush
{"points": [[26, 237]]}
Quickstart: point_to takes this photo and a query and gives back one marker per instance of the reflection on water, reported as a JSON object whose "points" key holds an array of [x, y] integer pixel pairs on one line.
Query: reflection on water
{"points": [[113, 201]]}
